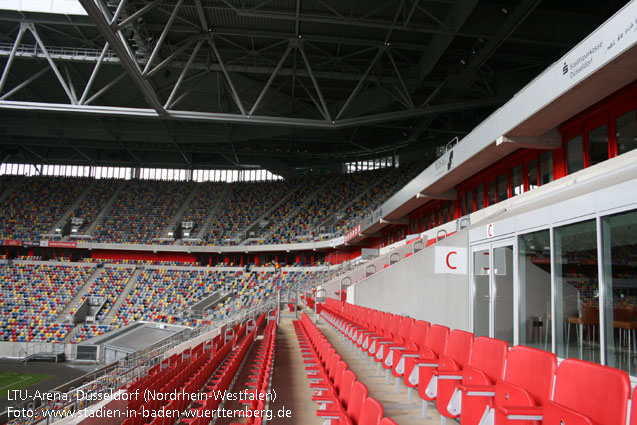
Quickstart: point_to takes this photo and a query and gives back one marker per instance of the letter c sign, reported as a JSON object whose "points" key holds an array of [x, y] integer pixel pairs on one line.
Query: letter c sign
{"points": [[454, 253], [490, 232], [450, 260]]}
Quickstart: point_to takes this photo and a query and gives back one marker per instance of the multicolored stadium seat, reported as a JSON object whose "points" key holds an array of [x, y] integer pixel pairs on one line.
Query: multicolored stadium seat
{"points": [[142, 211], [33, 295], [35, 205]]}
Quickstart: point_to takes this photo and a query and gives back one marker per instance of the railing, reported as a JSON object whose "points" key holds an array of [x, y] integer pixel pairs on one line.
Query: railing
{"points": [[58, 52]]}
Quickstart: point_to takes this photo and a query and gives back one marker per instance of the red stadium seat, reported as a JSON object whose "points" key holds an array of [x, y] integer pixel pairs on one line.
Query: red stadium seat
{"points": [[587, 394], [485, 367], [528, 382]]}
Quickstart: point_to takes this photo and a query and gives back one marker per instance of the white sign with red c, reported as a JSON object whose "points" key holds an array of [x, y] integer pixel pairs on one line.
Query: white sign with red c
{"points": [[450, 260]]}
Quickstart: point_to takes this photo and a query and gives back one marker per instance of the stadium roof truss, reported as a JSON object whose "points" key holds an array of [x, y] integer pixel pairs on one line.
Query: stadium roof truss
{"points": [[276, 83]]}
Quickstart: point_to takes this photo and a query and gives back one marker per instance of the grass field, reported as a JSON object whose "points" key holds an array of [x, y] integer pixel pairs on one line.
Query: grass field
{"points": [[17, 381]]}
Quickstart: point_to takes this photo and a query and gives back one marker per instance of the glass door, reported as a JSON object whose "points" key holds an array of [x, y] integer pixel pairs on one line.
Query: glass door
{"points": [[481, 292], [493, 290]]}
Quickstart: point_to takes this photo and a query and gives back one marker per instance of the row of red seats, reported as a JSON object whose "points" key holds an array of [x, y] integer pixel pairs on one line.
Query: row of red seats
{"points": [[261, 372], [201, 412], [482, 381], [333, 383], [188, 370]]}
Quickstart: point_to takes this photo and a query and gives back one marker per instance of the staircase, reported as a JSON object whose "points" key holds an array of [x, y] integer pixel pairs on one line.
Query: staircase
{"points": [[122, 296], [203, 231], [77, 299], [69, 337], [179, 214], [58, 224], [106, 209]]}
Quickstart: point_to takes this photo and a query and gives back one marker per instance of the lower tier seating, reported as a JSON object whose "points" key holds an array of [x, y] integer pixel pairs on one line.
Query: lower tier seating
{"points": [[481, 381], [347, 399]]}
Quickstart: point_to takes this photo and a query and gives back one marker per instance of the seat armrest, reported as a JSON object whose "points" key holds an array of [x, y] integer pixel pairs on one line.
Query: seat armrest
{"points": [[522, 413], [478, 390]]}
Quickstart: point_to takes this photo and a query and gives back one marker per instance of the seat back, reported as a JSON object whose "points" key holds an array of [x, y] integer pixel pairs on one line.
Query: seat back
{"points": [[372, 412], [459, 345], [599, 392], [533, 370], [384, 323], [419, 332], [357, 396], [487, 359], [341, 367], [349, 378], [332, 364], [405, 328], [394, 324], [375, 317], [437, 339]]}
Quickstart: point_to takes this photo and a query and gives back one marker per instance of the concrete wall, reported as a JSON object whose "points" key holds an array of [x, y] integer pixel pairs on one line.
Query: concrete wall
{"points": [[411, 288]]}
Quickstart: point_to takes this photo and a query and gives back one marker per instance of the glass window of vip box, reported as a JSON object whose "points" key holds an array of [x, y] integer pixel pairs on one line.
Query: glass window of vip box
{"points": [[598, 145], [534, 250], [626, 132], [574, 154], [517, 182], [532, 174], [479, 197], [546, 167], [577, 291], [503, 187], [619, 236]]}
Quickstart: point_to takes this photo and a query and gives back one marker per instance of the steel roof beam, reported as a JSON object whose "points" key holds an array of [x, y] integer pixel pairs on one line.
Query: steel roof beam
{"points": [[237, 68], [122, 51], [132, 18], [245, 119], [454, 20]]}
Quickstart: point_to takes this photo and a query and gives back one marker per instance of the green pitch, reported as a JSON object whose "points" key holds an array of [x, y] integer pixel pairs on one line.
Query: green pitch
{"points": [[16, 381]]}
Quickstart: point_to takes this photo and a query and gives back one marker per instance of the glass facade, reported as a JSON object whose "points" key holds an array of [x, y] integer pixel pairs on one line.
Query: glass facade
{"points": [[127, 173], [577, 291], [563, 303], [534, 262], [503, 303], [620, 280]]}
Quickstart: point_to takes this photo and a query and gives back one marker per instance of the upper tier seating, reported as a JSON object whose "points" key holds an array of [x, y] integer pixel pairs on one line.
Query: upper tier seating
{"points": [[95, 201], [279, 215], [34, 206], [378, 194], [32, 297], [332, 199], [301, 209], [142, 211], [201, 204], [243, 206]]}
